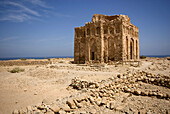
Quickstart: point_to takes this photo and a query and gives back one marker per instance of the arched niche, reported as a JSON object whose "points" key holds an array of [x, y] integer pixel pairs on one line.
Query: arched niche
{"points": [[137, 47], [127, 48], [93, 49], [105, 29], [105, 50], [131, 48], [88, 31], [112, 31], [111, 48], [98, 30]]}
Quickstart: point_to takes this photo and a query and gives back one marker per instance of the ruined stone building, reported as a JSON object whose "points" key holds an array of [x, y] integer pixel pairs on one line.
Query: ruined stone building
{"points": [[105, 39]]}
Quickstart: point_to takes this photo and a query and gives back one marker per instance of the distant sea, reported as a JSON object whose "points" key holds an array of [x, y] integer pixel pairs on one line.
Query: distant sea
{"points": [[14, 58], [159, 56]]}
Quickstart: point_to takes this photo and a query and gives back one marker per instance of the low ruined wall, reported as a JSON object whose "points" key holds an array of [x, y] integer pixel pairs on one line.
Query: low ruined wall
{"points": [[23, 62], [110, 96]]}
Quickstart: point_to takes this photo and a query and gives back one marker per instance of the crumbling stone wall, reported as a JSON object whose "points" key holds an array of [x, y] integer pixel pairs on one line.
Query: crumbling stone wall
{"points": [[106, 38]]}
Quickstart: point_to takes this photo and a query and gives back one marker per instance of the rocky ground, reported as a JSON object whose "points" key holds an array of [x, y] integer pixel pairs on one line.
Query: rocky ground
{"points": [[62, 87]]}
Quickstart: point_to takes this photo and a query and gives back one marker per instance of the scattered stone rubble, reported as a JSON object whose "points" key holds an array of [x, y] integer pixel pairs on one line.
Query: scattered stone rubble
{"points": [[111, 96], [80, 84]]}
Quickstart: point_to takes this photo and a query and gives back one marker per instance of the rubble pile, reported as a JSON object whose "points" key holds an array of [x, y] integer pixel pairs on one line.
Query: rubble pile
{"points": [[80, 84], [111, 96], [130, 83]]}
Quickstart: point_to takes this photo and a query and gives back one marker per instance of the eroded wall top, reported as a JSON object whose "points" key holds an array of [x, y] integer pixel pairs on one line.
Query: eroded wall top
{"points": [[105, 18]]}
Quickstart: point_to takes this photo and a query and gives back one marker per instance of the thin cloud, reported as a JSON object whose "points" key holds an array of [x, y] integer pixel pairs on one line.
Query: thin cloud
{"points": [[23, 10], [16, 17], [39, 3], [9, 38]]}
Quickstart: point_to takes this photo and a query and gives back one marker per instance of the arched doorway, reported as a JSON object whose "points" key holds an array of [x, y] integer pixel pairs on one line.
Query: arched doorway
{"points": [[105, 50], [127, 54], [131, 48], [137, 49], [93, 50], [111, 49]]}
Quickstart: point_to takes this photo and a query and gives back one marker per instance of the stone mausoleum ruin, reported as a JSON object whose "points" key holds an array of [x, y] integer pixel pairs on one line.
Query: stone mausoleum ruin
{"points": [[105, 39]]}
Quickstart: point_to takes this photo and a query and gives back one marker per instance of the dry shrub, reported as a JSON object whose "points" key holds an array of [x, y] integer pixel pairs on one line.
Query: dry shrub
{"points": [[23, 59], [142, 57], [16, 70]]}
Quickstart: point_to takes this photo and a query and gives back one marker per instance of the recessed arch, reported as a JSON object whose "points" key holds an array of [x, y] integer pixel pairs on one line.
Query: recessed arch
{"points": [[112, 31], [98, 30], [93, 49], [88, 31], [131, 48], [137, 49], [111, 48], [127, 48]]}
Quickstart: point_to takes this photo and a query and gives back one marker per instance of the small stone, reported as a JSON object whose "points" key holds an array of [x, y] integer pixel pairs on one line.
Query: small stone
{"points": [[71, 104], [119, 76], [35, 93], [167, 95], [146, 93], [142, 93], [164, 95], [150, 93], [29, 108], [66, 108], [127, 90], [41, 107], [154, 94], [108, 105], [34, 108], [15, 111], [112, 105], [98, 102], [91, 100], [137, 92], [79, 105], [62, 112], [55, 108], [97, 85], [160, 95]]}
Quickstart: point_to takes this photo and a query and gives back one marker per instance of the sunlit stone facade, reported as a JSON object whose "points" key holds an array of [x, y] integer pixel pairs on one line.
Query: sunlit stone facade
{"points": [[105, 39]]}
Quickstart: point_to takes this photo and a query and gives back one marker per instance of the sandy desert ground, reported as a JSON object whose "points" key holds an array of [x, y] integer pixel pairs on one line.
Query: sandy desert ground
{"points": [[63, 87]]}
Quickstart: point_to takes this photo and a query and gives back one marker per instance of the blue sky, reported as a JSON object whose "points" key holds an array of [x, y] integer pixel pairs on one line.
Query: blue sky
{"points": [[46, 27]]}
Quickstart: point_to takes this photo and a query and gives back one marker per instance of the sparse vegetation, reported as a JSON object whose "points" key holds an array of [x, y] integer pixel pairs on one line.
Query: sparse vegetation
{"points": [[16, 70], [142, 57], [23, 59]]}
